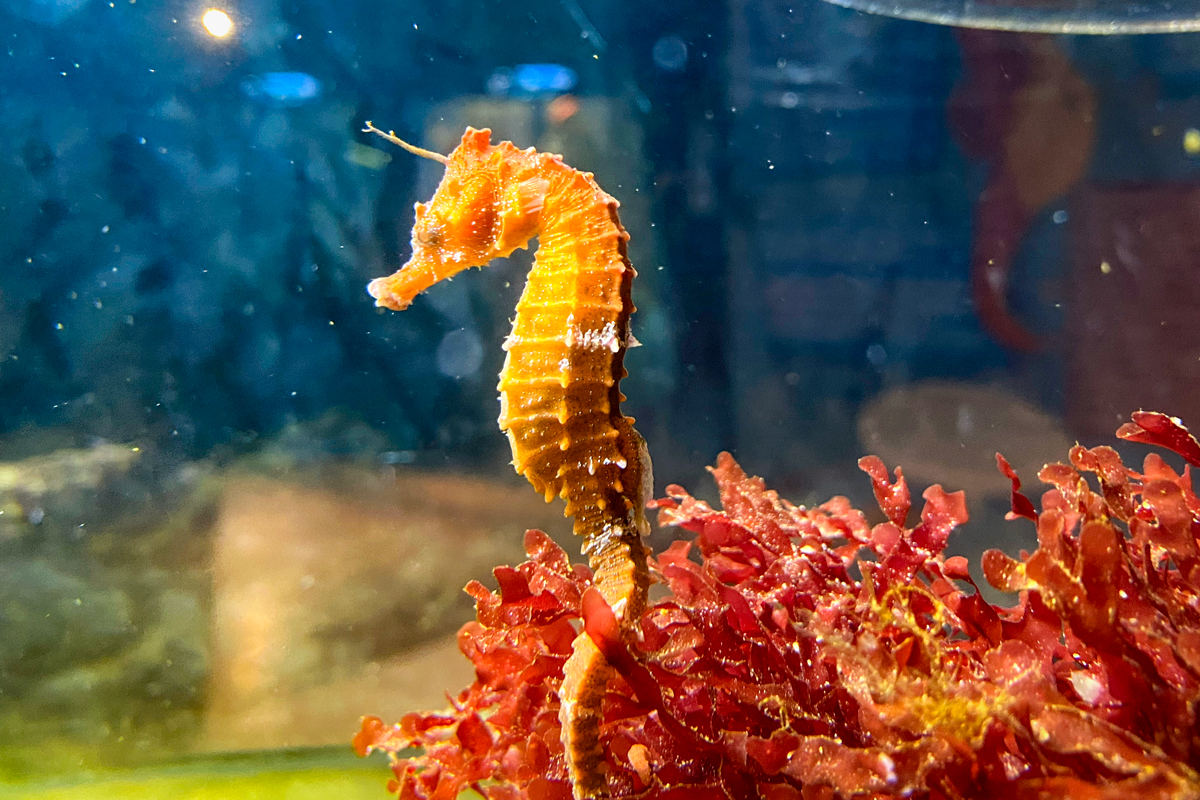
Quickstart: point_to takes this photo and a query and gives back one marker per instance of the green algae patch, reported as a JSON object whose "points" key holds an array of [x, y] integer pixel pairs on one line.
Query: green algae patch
{"points": [[290, 775], [303, 785]]}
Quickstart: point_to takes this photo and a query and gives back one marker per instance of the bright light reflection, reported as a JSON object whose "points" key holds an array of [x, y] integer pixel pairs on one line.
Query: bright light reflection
{"points": [[217, 22]]}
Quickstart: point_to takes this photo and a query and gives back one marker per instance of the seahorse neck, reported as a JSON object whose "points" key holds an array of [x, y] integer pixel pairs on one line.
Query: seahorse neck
{"points": [[577, 210]]}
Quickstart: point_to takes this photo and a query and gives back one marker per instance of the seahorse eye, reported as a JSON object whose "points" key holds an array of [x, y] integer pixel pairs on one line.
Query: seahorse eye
{"points": [[428, 235]]}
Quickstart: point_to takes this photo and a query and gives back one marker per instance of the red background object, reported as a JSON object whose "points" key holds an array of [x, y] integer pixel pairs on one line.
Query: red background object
{"points": [[1133, 327]]}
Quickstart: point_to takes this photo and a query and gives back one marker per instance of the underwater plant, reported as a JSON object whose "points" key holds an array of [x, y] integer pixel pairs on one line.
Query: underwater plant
{"points": [[770, 670], [798, 653]]}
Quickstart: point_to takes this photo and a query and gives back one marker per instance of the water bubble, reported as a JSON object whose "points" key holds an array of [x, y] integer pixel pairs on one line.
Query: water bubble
{"points": [[460, 354], [670, 53]]}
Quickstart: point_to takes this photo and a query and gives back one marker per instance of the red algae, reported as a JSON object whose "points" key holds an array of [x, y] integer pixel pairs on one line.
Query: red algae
{"points": [[806, 653]]}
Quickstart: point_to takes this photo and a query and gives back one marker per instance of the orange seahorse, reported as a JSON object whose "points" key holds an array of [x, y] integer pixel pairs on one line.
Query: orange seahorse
{"points": [[560, 403]]}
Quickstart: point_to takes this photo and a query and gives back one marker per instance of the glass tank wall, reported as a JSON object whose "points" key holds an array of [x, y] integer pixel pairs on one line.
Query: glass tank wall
{"points": [[239, 503]]}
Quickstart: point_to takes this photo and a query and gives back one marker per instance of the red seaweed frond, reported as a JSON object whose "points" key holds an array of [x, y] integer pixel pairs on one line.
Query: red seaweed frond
{"points": [[804, 653]]}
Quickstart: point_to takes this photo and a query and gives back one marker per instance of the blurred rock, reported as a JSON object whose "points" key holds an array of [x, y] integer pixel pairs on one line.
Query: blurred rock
{"points": [[332, 437], [158, 606], [321, 594], [103, 623], [949, 432], [50, 621], [62, 490]]}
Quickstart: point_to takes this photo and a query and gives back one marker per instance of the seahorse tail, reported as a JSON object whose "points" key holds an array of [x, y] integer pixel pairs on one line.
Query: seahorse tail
{"points": [[585, 678], [620, 573]]}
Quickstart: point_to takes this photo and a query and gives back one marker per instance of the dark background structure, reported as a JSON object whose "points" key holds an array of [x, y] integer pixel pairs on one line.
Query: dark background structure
{"points": [[184, 253]]}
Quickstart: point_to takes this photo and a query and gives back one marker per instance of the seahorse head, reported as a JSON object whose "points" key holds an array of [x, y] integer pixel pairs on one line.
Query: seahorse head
{"points": [[488, 204]]}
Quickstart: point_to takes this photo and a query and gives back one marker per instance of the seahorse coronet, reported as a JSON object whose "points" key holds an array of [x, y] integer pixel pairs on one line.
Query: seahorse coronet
{"points": [[576, 305]]}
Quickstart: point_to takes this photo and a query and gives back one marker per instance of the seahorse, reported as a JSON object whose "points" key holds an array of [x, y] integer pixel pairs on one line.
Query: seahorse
{"points": [[560, 401]]}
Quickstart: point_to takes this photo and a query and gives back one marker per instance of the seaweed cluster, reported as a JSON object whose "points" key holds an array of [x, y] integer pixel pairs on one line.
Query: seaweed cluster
{"points": [[805, 653]]}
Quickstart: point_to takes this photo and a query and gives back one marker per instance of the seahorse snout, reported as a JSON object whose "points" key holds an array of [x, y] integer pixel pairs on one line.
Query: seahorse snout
{"points": [[381, 290]]}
